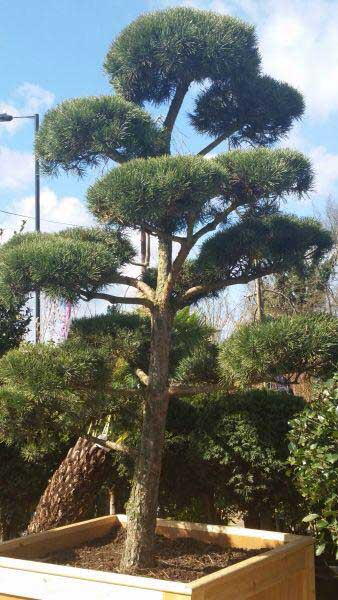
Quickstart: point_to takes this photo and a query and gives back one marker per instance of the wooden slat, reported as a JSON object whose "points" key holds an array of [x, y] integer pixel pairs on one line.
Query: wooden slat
{"points": [[255, 575], [51, 587], [235, 537], [220, 539], [6, 597], [66, 573], [309, 578], [38, 545], [285, 573], [173, 596]]}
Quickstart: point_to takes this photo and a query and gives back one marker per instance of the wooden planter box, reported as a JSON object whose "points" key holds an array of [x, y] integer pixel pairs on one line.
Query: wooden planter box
{"points": [[286, 572]]}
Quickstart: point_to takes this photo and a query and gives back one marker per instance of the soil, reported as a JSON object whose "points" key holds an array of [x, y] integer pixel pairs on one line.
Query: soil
{"points": [[181, 559]]}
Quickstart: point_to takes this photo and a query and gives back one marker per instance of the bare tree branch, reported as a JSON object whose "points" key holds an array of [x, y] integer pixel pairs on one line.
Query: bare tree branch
{"points": [[214, 143], [204, 290], [220, 218], [156, 233], [143, 287], [117, 299], [191, 239], [192, 390], [113, 445]]}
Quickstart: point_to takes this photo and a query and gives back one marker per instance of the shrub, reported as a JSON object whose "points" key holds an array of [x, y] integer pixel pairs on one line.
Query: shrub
{"points": [[228, 453], [314, 459]]}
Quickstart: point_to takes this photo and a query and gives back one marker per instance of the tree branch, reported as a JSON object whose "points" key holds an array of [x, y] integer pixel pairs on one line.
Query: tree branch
{"points": [[117, 299], [278, 293], [192, 390], [140, 285], [221, 217], [215, 143], [156, 232], [188, 243], [117, 157], [113, 445], [204, 290], [175, 106]]}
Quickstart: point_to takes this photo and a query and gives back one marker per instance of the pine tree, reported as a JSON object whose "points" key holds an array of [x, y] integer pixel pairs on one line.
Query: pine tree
{"points": [[51, 395], [234, 197]]}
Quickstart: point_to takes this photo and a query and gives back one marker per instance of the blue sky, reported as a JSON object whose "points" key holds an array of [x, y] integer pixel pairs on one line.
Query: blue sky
{"points": [[53, 50]]}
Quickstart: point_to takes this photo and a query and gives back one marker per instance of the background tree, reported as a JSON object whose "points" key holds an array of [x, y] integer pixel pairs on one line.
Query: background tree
{"points": [[307, 288], [177, 199], [289, 346], [303, 290]]}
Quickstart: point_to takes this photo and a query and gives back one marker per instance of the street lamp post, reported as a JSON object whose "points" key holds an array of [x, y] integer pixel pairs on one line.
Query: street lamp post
{"points": [[4, 117]]}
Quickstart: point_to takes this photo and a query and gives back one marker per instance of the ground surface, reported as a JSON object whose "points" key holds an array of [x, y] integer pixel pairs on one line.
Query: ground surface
{"points": [[182, 559]]}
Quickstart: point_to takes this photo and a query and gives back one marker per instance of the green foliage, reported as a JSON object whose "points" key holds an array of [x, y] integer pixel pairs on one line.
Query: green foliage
{"points": [[161, 193], [260, 110], [63, 264], [314, 461], [256, 247], [200, 365], [14, 322], [194, 355], [289, 345], [127, 336], [232, 450], [49, 394], [168, 192], [161, 51], [156, 58], [265, 173], [86, 131]]}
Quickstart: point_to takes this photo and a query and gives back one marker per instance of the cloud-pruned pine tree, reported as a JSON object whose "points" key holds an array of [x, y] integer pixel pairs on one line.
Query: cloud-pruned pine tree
{"points": [[234, 196]]}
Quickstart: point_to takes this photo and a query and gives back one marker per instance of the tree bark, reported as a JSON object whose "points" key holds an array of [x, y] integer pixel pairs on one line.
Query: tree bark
{"points": [[143, 501], [71, 492]]}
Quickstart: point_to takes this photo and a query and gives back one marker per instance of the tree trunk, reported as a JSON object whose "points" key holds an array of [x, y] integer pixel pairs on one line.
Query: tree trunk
{"points": [[71, 492], [143, 502]]}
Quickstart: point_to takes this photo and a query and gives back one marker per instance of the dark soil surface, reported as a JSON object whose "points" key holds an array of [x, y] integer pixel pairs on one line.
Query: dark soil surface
{"points": [[182, 559]]}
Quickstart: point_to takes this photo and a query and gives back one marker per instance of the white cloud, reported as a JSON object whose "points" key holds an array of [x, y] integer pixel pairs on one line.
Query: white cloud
{"points": [[27, 99], [326, 171], [34, 97], [63, 210], [324, 163], [16, 168], [298, 44]]}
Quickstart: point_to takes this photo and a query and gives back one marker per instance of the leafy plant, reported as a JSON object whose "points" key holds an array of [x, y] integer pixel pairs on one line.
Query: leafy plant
{"points": [[314, 460], [227, 453]]}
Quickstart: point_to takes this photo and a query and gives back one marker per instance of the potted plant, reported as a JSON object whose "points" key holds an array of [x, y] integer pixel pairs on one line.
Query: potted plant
{"points": [[216, 221], [285, 570]]}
